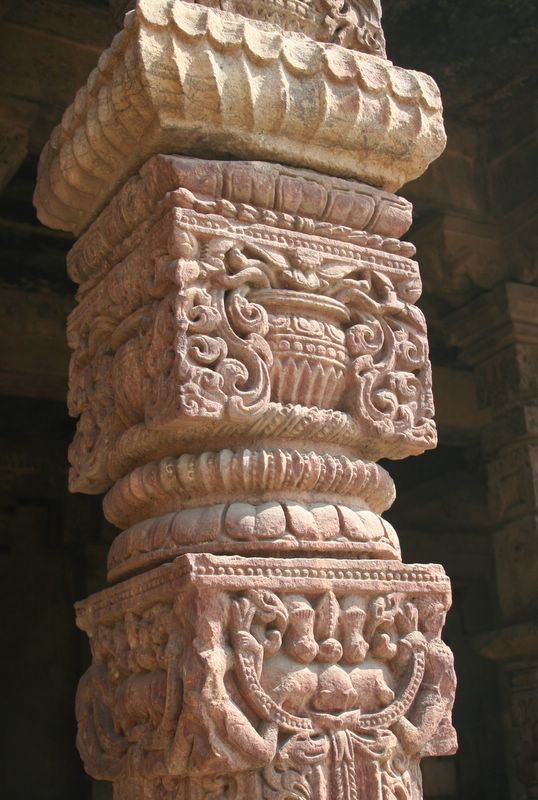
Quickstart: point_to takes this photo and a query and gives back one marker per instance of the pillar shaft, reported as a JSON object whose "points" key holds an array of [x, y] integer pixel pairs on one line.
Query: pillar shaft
{"points": [[246, 346]]}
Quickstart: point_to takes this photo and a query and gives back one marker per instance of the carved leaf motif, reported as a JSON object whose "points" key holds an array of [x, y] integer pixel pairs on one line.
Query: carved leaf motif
{"points": [[392, 386], [327, 611], [325, 628], [249, 319], [202, 316]]}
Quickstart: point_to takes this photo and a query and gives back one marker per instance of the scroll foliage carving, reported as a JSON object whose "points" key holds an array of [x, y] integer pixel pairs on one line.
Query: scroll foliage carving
{"points": [[356, 25], [220, 321], [221, 357], [370, 324]]}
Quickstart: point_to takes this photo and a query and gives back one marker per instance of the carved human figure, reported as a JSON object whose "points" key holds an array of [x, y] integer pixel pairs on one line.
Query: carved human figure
{"points": [[428, 722]]}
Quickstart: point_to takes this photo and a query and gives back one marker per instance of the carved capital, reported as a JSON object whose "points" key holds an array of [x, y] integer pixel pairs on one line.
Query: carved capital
{"points": [[215, 313], [220, 298], [184, 78]]}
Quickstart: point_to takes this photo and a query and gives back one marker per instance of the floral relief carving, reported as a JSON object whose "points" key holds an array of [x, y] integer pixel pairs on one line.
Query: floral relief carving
{"points": [[356, 25], [226, 320], [325, 694], [225, 355], [125, 696], [348, 317]]}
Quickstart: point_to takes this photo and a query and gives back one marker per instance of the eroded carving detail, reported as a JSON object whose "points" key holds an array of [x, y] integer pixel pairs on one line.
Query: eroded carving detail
{"points": [[355, 25], [325, 693], [211, 323], [291, 100]]}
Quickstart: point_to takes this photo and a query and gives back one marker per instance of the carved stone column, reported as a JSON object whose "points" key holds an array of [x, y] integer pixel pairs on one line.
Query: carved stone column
{"points": [[245, 348], [498, 334]]}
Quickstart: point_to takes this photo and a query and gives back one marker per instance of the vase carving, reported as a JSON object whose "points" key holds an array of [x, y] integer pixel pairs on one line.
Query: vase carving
{"points": [[307, 342]]}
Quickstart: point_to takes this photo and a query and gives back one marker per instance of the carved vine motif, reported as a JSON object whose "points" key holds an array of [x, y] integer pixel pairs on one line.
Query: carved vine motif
{"points": [[392, 387], [329, 311], [217, 335], [218, 326], [125, 698], [91, 399]]}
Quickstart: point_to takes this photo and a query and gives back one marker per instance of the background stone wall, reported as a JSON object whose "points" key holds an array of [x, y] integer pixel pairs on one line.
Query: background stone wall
{"points": [[476, 212]]}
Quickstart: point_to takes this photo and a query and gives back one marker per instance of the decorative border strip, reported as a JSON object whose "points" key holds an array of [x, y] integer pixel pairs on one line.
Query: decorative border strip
{"points": [[291, 199], [235, 572], [174, 483]]}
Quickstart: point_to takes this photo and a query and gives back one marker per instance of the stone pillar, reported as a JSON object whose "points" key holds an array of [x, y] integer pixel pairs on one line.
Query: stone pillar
{"points": [[498, 334], [246, 346]]}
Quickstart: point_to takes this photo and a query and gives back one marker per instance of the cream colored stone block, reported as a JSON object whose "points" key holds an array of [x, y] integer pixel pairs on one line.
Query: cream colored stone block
{"points": [[182, 78]]}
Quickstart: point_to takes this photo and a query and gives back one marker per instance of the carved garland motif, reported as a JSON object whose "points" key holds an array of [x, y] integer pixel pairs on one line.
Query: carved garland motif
{"points": [[346, 692]]}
